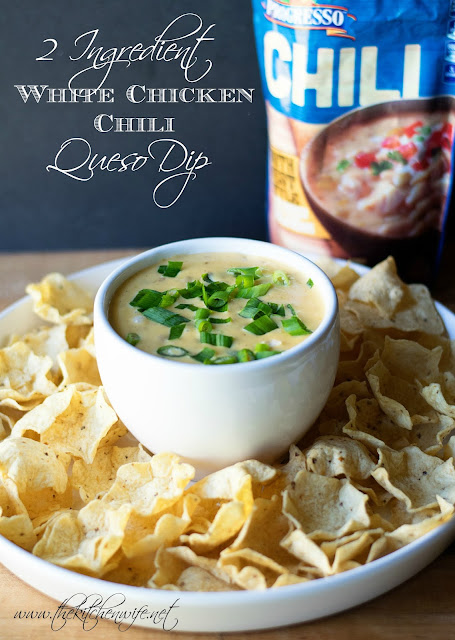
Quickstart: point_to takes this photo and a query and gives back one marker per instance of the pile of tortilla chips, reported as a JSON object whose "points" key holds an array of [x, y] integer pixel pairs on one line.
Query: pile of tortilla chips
{"points": [[375, 472]]}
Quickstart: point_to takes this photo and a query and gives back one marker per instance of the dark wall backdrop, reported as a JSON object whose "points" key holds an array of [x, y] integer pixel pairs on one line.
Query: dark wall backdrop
{"points": [[47, 210]]}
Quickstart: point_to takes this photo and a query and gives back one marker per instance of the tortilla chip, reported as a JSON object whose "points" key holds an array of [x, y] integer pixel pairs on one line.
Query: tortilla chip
{"points": [[415, 477], [410, 361], [33, 476], [85, 541], [381, 287], [95, 479], [399, 399], [18, 529], [46, 341], [149, 487], [71, 421], [78, 365], [61, 301], [435, 398], [370, 426], [325, 508], [24, 376], [333, 456]]}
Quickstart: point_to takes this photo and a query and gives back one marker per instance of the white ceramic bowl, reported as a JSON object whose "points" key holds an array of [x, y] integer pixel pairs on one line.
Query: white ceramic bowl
{"points": [[213, 416]]}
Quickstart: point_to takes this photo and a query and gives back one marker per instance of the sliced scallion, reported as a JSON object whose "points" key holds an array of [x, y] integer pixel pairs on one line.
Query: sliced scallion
{"points": [[310, 283], [254, 292], [292, 310], [202, 314], [255, 308], [169, 298], [261, 325], [220, 320], [225, 360], [277, 309], [176, 332], [295, 327], [244, 281], [279, 277], [172, 352], [245, 355], [193, 290], [164, 316], [203, 325], [171, 269], [216, 339], [191, 307], [266, 354], [133, 338], [255, 272], [204, 356], [146, 299]]}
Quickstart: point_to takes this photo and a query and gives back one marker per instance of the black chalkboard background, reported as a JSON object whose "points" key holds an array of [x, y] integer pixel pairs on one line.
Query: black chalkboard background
{"points": [[47, 210]]}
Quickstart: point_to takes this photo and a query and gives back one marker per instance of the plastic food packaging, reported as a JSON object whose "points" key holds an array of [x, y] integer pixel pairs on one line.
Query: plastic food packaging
{"points": [[360, 112]]}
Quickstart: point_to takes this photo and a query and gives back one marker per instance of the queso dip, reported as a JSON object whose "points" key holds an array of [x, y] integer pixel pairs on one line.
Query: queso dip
{"points": [[216, 308]]}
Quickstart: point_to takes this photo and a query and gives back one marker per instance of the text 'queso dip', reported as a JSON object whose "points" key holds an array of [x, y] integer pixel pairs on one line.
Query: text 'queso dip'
{"points": [[216, 308]]}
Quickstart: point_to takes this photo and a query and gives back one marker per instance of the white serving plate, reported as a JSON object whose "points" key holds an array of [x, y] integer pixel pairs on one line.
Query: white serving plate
{"points": [[226, 611]]}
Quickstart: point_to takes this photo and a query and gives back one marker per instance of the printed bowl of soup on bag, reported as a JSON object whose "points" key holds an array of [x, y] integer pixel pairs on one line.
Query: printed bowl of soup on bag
{"points": [[377, 178]]}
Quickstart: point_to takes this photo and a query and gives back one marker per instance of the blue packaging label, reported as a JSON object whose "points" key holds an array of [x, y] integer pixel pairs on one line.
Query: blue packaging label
{"points": [[330, 66]]}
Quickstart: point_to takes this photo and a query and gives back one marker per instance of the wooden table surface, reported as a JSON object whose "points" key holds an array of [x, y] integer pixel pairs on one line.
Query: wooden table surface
{"points": [[421, 608]]}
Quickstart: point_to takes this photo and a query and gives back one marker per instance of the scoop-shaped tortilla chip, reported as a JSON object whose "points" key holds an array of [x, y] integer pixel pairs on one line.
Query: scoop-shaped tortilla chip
{"points": [[415, 477], [71, 421], [61, 301], [325, 508]]}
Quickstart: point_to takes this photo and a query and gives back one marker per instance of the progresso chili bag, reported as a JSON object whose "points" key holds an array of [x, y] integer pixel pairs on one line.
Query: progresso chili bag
{"points": [[360, 119]]}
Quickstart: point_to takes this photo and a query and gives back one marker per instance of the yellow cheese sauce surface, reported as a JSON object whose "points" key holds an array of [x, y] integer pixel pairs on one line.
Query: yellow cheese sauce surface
{"points": [[305, 300]]}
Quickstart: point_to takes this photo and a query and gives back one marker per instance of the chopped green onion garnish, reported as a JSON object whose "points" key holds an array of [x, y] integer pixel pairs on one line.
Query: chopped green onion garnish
{"points": [[220, 320], [277, 309], [193, 290], [245, 355], [218, 300], [379, 167], [254, 292], [203, 325], [261, 346], [207, 278], [225, 360], [343, 165], [172, 352], [261, 325], [202, 314], [176, 331], [171, 269], [266, 354], [164, 316], [291, 308], [397, 156], [255, 308], [216, 339], [244, 281], [295, 327], [254, 272], [279, 277], [310, 283], [146, 298], [191, 307], [169, 298], [204, 356], [425, 131], [132, 338]]}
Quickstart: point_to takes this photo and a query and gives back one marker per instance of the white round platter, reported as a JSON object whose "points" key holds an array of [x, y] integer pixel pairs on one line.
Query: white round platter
{"points": [[225, 611]]}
